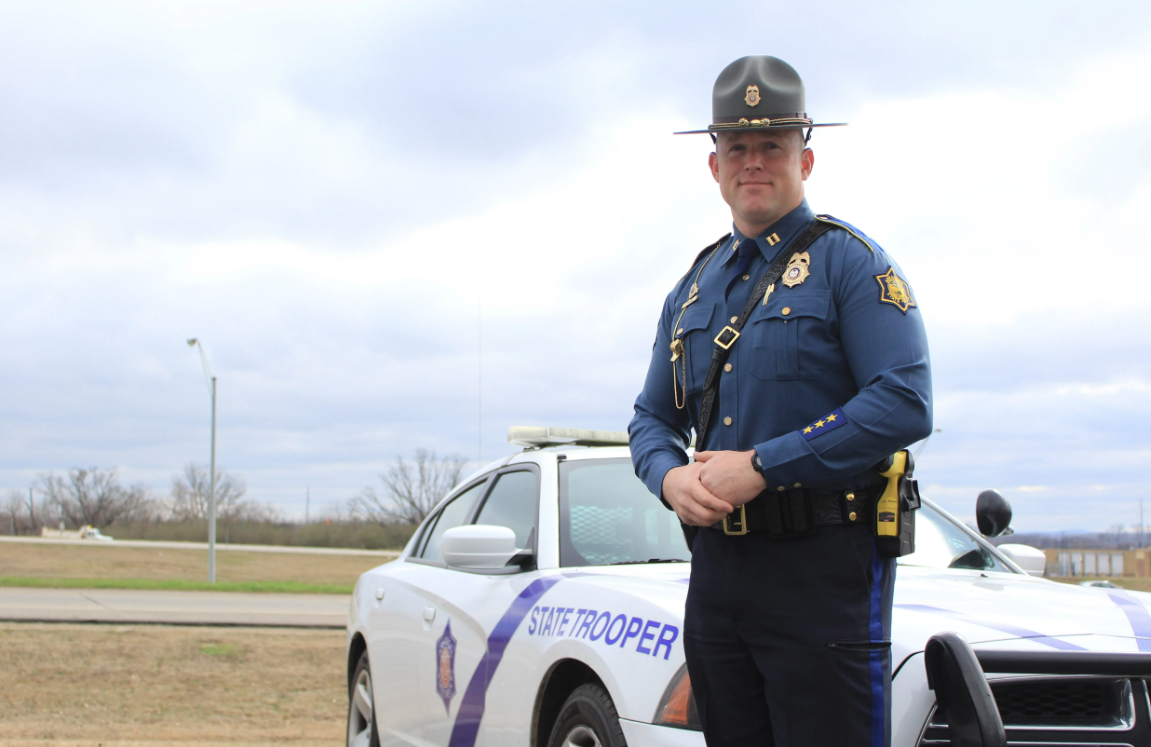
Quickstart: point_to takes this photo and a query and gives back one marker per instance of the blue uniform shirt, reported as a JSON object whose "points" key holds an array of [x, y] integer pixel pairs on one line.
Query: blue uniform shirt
{"points": [[827, 378]]}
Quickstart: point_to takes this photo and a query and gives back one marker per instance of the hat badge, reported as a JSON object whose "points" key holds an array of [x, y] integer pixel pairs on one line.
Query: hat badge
{"points": [[752, 97]]}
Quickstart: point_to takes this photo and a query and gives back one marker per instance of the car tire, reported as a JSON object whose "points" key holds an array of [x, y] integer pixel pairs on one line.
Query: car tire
{"points": [[362, 731], [588, 719]]}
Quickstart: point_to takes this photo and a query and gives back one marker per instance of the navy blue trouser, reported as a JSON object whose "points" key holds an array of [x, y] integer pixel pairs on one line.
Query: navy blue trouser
{"points": [[788, 641]]}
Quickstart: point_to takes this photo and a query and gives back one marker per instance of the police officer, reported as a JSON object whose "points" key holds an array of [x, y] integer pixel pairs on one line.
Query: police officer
{"points": [[800, 386]]}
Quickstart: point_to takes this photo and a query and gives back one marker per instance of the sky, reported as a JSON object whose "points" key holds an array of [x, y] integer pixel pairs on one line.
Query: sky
{"points": [[389, 222]]}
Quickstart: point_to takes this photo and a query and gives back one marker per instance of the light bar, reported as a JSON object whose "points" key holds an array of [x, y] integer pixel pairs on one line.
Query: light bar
{"points": [[538, 436]]}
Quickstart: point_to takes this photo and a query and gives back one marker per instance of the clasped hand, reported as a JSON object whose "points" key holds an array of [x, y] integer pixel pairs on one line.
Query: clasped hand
{"points": [[703, 492]]}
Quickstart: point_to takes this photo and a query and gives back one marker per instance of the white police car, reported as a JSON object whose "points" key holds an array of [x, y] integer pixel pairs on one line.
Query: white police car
{"points": [[542, 603]]}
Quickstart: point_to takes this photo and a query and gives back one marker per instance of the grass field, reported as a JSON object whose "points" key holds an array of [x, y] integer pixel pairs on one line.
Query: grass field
{"points": [[26, 564], [116, 686]]}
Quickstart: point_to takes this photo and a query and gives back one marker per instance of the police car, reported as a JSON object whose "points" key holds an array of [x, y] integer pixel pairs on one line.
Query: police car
{"points": [[542, 603]]}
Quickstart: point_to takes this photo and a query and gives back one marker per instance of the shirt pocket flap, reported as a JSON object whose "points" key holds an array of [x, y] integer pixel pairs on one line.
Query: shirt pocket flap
{"points": [[695, 317], [812, 303]]}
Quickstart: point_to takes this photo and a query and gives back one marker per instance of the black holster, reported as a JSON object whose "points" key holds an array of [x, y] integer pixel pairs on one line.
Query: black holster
{"points": [[904, 544]]}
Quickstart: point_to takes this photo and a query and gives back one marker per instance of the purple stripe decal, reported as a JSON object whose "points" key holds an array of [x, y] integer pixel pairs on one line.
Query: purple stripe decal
{"points": [[1137, 616], [875, 658], [472, 706], [1015, 630]]}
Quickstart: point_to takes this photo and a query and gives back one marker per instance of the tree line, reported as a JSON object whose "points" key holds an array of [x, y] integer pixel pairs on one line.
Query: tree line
{"points": [[375, 517]]}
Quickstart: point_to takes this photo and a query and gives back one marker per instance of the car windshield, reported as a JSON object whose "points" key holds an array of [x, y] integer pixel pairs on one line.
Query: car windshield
{"points": [[940, 542], [607, 516]]}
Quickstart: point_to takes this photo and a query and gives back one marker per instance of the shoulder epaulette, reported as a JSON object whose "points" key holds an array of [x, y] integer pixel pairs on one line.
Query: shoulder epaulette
{"points": [[704, 252], [846, 227]]}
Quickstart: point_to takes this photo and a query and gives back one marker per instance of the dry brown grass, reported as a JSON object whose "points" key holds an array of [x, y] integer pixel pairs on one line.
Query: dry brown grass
{"points": [[144, 685], [104, 561]]}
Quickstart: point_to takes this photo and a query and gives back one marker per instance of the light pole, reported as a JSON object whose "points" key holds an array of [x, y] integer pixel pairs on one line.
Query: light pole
{"points": [[193, 342]]}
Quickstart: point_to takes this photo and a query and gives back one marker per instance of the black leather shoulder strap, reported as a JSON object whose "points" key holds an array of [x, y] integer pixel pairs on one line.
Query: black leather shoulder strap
{"points": [[726, 339]]}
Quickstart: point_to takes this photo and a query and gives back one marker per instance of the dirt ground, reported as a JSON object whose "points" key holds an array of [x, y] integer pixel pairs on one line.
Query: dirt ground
{"points": [[115, 686], [104, 561]]}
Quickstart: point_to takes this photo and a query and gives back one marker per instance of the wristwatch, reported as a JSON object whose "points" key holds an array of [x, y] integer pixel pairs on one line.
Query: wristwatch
{"points": [[756, 462]]}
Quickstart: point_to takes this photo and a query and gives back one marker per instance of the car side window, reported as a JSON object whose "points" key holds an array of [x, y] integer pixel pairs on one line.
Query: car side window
{"points": [[512, 503], [452, 515]]}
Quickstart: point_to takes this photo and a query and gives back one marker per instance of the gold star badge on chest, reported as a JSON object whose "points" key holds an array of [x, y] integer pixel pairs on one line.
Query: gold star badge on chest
{"points": [[796, 271]]}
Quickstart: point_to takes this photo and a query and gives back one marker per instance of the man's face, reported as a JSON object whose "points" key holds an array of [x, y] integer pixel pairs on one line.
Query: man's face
{"points": [[760, 175]]}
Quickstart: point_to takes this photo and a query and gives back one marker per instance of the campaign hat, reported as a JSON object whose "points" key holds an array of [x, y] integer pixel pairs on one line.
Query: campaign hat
{"points": [[758, 93]]}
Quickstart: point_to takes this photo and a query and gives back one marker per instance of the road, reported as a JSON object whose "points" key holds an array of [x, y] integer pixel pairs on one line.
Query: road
{"points": [[220, 547], [174, 607]]}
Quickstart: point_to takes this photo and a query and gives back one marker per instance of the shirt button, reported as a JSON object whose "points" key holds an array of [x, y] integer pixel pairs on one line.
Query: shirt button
{"points": [[727, 421], [781, 488], [734, 319], [727, 367], [797, 485], [679, 331], [786, 310], [851, 516], [747, 277]]}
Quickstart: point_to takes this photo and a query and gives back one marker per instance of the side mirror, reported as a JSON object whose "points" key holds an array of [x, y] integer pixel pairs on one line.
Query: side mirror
{"points": [[992, 514], [478, 546]]}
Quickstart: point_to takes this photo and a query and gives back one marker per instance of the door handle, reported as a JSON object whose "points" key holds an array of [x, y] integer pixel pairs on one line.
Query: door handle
{"points": [[429, 614]]}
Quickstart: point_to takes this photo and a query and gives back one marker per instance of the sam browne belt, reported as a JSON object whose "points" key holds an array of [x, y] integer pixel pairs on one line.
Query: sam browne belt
{"points": [[797, 513]]}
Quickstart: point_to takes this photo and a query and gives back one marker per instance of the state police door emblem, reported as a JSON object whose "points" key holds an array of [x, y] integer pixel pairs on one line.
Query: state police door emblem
{"points": [[446, 667]]}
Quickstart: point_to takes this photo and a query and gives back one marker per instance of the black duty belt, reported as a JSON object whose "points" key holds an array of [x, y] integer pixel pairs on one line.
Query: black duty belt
{"points": [[797, 513]]}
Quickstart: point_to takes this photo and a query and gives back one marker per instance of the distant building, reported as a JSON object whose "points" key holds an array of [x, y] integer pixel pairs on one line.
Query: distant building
{"points": [[1106, 563]]}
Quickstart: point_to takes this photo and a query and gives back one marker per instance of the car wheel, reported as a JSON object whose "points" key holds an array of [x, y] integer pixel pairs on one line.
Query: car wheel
{"points": [[588, 719], [361, 708]]}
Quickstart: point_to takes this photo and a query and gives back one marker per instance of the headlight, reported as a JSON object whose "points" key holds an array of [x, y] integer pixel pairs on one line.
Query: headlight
{"points": [[677, 706]]}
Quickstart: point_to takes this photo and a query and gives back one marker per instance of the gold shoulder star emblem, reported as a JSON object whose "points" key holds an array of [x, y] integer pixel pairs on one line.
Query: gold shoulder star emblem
{"points": [[895, 291]]}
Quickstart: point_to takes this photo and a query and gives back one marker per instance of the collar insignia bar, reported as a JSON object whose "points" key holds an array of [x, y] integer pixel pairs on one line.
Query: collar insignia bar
{"points": [[796, 271], [752, 97], [895, 291]]}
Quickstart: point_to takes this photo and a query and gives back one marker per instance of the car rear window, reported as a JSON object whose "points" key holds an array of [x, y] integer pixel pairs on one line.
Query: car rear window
{"points": [[608, 516]]}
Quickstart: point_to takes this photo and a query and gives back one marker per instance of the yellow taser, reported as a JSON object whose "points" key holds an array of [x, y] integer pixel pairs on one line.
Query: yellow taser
{"points": [[887, 507]]}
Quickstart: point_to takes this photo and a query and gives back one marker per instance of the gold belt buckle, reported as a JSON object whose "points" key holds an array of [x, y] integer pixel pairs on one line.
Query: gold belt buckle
{"points": [[735, 336], [742, 521]]}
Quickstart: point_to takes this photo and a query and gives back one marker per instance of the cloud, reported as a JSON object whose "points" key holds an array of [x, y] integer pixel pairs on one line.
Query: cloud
{"points": [[326, 196]]}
